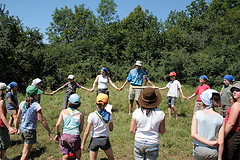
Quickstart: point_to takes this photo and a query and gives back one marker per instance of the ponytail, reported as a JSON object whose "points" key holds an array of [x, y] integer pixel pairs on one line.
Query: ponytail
{"points": [[216, 100]]}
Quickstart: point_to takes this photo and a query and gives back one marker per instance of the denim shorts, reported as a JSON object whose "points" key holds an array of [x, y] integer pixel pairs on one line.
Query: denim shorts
{"points": [[69, 143], [99, 142], [28, 136], [171, 100], [145, 150], [4, 138]]}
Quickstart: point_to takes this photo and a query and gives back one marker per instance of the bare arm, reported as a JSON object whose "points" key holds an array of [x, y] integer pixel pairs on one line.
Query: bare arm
{"points": [[57, 90], [151, 83], [111, 126], [86, 133], [86, 89], [124, 84], [182, 93], [162, 127], [194, 94], [82, 123], [112, 84], [221, 141], [94, 83], [60, 118], [133, 126], [44, 123], [232, 118], [163, 88], [18, 118]]}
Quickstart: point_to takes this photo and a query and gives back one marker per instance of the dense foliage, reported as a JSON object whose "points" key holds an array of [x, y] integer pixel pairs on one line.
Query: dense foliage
{"points": [[202, 39]]}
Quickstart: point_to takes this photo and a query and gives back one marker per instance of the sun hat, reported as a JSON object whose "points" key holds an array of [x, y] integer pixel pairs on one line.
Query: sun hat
{"points": [[207, 95], [74, 99], [12, 84], [229, 78], [235, 86], [3, 86], [102, 99], [36, 81], [172, 74], [104, 69], [203, 77], [71, 76], [138, 63], [149, 98], [33, 90]]}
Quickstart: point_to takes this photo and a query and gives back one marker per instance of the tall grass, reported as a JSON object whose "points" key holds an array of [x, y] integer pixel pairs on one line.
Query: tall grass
{"points": [[176, 143]]}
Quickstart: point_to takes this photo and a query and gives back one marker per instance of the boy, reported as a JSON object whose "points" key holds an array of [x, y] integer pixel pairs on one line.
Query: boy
{"points": [[198, 103], [71, 89], [173, 93]]}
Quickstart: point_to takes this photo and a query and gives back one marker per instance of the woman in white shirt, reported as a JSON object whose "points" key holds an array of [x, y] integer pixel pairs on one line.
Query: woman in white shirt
{"points": [[102, 81], [147, 122]]}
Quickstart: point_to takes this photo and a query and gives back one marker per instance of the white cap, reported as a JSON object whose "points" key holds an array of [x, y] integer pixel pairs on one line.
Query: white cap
{"points": [[138, 63], [71, 76], [36, 81], [3, 86]]}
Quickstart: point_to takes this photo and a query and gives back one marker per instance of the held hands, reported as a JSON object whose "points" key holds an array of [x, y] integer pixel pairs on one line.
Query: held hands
{"points": [[56, 138], [12, 130], [213, 143], [50, 136], [91, 90], [53, 92], [82, 147]]}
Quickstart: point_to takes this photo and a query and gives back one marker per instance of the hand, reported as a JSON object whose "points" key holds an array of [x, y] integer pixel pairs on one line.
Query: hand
{"points": [[12, 130], [82, 148], [121, 88], [187, 98], [213, 143], [50, 136], [91, 90], [56, 138]]}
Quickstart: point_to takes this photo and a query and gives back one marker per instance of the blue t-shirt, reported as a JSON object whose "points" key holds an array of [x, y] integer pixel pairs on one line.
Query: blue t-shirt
{"points": [[13, 97], [135, 77]]}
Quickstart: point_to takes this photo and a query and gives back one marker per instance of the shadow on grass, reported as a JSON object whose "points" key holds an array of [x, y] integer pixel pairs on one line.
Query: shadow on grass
{"points": [[16, 142], [103, 159], [182, 115], [33, 154]]}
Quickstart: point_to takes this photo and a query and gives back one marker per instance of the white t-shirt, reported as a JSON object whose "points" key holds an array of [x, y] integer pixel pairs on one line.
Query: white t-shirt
{"points": [[148, 127], [174, 87], [102, 82], [99, 128]]}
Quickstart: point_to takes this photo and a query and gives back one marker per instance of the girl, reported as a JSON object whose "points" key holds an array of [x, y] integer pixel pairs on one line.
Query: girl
{"points": [[4, 126], [102, 81], [12, 102], [206, 124], [150, 121], [30, 110], [73, 121], [100, 121], [232, 129]]}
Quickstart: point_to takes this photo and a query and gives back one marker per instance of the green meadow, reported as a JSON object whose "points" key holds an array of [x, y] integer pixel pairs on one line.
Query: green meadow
{"points": [[176, 143]]}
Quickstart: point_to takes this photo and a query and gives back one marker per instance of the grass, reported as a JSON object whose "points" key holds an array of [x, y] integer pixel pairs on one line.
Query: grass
{"points": [[176, 143]]}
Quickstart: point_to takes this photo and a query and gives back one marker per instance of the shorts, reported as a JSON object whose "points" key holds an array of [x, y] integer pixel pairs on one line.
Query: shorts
{"points": [[99, 142], [28, 136], [104, 91], [12, 112], [232, 146], [202, 152], [171, 100], [198, 106], [4, 138], [134, 93], [69, 143]]}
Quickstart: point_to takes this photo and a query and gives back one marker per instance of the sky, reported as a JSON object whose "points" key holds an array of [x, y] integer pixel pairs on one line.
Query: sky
{"points": [[38, 13]]}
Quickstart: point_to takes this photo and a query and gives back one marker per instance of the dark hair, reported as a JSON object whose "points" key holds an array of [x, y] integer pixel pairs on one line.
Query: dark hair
{"points": [[148, 110], [75, 106], [2, 95], [216, 100], [29, 101]]}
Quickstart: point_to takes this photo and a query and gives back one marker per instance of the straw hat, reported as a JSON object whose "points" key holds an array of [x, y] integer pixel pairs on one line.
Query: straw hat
{"points": [[149, 98]]}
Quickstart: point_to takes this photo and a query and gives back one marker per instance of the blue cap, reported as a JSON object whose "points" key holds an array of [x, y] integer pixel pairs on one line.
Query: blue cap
{"points": [[74, 99], [203, 77], [12, 84], [230, 78], [104, 69]]}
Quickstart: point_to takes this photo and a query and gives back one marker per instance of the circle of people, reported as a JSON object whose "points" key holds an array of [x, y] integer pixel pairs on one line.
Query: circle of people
{"points": [[215, 136]]}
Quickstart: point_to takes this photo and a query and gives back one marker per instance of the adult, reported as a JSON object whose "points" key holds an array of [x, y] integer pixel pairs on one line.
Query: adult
{"points": [[206, 124], [30, 111], [38, 83], [226, 94], [136, 77], [102, 81], [232, 133], [147, 122], [4, 126]]}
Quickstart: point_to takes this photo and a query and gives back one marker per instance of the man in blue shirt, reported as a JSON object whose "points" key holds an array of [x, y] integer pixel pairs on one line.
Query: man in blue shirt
{"points": [[136, 77]]}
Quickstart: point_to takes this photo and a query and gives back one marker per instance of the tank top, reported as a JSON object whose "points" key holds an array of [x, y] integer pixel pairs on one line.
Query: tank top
{"points": [[5, 114], [237, 124], [71, 123], [102, 82]]}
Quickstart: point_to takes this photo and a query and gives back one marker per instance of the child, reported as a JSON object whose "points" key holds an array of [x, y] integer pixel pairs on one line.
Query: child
{"points": [[203, 87], [38, 83], [226, 94], [4, 126], [206, 125], [29, 110], [71, 89], [100, 121], [173, 93], [12, 102], [73, 121]]}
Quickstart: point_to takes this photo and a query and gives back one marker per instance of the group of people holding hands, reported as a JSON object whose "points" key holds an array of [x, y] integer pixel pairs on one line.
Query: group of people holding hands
{"points": [[215, 136]]}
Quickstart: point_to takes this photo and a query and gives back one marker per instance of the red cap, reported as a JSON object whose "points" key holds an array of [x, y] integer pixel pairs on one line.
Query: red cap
{"points": [[172, 74]]}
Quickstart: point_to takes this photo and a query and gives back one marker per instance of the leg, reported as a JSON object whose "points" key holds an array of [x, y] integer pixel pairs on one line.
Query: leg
{"points": [[109, 153], [26, 151], [10, 120], [175, 111], [2, 154], [93, 155], [65, 157], [130, 107], [78, 154], [170, 111], [65, 102]]}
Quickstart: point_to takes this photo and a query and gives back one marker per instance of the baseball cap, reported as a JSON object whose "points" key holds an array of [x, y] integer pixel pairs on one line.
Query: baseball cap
{"points": [[74, 99], [172, 74], [102, 99], [71, 76], [36, 81], [32, 90]]}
